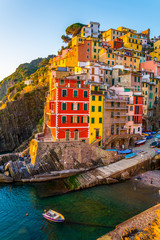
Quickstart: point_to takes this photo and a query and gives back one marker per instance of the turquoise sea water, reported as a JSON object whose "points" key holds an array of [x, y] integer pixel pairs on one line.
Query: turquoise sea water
{"points": [[89, 213]]}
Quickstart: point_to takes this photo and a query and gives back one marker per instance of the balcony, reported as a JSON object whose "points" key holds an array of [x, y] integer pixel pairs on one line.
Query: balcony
{"points": [[119, 121], [113, 107]]}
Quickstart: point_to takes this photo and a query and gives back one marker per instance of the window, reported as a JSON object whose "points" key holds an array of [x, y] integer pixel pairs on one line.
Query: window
{"points": [[100, 98], [136, 100], [93, 98], [124, 58], [130, 59], [119, 79], [75, 93], [93, 108], [128, 118], [92, 120], [77, 119], [108, 55], [112, 114], [62, 82], [106, 72], [138, 79], [100, 120], [112, 55], [94, 43], [138, 88], [64, 93], [75, 106], [99, 108], [135, 79], [136, 109], [134, 60], [150, 87], [87, 56], [64, 106], [131, 108], [110, 73], [95, 50], [81, 119], [118, 104], [135, 88], [96, 88], [64, 119], [151, 96], [85, 94], [106, 79], [71, 119], [85, 106], [139, 129], [88, 44], [112, 104], [112, 63]]}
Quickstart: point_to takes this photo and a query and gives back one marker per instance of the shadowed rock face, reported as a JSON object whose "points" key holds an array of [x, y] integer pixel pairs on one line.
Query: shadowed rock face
{"points": [[19, 119]]}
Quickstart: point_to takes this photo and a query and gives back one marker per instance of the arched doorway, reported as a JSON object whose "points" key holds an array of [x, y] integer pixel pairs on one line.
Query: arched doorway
{"points": [[113, 145], [131, 142], [76, 135], [67, 135]]}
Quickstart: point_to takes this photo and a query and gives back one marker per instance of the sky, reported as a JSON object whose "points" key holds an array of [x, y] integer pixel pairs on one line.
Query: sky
{"points": [[33, 28]]}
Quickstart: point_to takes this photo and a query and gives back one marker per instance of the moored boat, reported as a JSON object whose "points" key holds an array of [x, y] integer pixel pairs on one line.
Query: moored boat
{"points": [[131, 155], [140, 142], [126, 151], [53, 216], [157, 151]]}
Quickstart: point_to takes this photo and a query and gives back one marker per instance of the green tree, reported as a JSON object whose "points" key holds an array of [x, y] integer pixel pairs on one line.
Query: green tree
{"points": [[74, 29]]}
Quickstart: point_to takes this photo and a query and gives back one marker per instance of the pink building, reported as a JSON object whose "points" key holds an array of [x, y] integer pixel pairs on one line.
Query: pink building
{"points": [[151, 66]]}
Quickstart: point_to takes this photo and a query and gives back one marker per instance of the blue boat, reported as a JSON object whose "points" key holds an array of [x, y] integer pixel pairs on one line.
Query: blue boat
{"points": [[149, 137], [157, 151], [131, 155], [153, 133], [126, 151], [140, 142], [158, 136], [111, 150]]}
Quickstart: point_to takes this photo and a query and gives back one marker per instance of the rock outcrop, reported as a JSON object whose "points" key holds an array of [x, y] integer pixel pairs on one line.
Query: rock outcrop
{"points": [[19, 118]]}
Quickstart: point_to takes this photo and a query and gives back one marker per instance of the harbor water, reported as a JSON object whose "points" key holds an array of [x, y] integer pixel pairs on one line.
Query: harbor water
{"points": [[89, 213]]}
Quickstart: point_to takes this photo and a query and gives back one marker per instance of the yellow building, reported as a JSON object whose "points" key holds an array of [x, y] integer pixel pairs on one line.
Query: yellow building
{"points": [[111, 34], [132, 41], [96, 115], [157, 46], [155, 54], [124, 29], [77, 40]]}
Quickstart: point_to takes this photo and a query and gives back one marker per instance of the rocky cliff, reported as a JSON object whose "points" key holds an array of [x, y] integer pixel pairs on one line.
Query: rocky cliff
{"points": [[19, 118]]}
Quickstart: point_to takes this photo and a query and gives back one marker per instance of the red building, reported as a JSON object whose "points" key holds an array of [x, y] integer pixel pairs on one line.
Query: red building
{"points": [[116, 43], [68, 109], [138, 112]]}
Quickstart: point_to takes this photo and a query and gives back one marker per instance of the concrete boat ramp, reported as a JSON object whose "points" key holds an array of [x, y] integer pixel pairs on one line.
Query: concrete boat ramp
{"points": [[114, 172]]}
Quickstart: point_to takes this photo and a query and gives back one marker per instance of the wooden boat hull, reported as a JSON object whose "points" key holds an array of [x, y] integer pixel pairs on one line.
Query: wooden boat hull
{"points": [[141, 142], [131, 155]]}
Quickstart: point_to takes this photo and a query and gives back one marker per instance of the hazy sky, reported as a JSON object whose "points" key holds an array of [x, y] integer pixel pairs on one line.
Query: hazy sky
{"points": [[32, 28]]}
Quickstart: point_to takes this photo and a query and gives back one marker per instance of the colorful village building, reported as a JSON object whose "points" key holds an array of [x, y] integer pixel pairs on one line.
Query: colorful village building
{"points": [[68, 109]]}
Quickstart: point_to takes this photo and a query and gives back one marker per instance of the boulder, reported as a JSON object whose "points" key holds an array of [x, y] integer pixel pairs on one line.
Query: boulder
{"points": [[125, 175], [2, 169], [111, 180], [5, 179]]}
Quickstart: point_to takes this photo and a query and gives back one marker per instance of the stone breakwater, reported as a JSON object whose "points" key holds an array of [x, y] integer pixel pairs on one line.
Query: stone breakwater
{"points": [[78, 164], [138, 222], [57, 160]]}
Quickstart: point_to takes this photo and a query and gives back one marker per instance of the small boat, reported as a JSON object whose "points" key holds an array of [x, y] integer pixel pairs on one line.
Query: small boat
{"points": [[149, 137], [131, 155], [111, 150], [157, 151], [53, 216], [153, 144], [145, 134], [126, 151], [140, 142]]}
